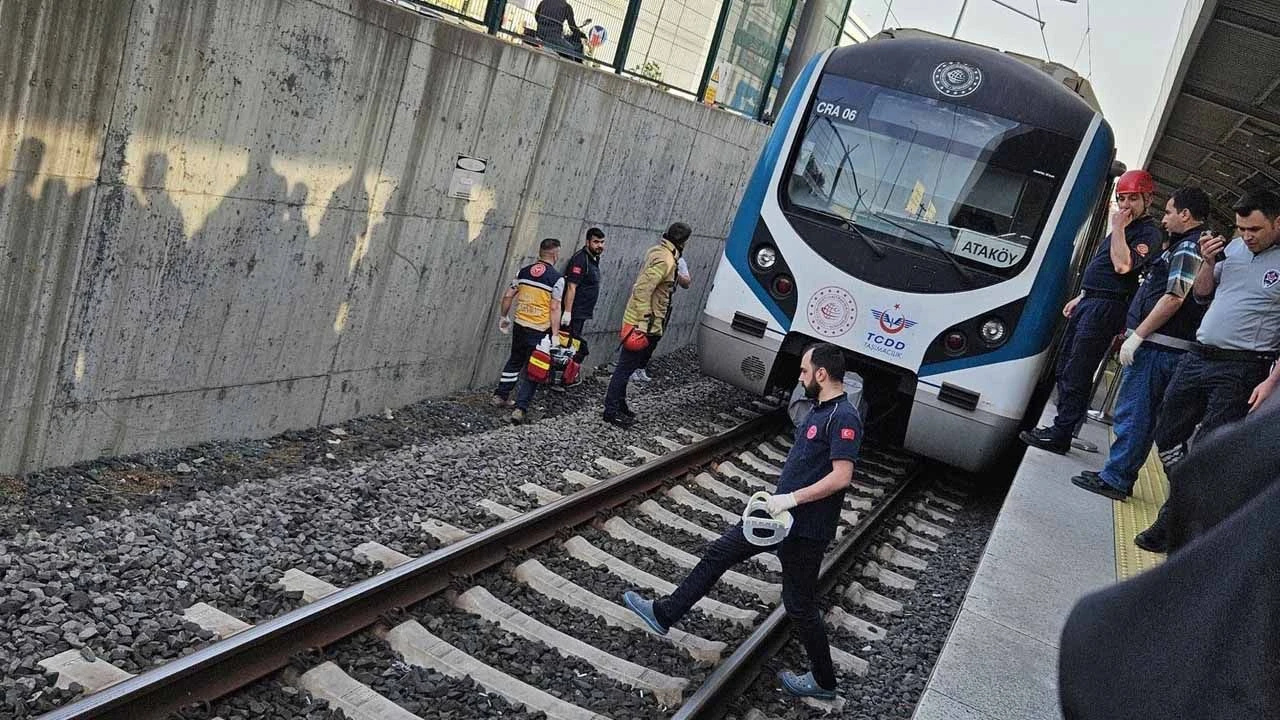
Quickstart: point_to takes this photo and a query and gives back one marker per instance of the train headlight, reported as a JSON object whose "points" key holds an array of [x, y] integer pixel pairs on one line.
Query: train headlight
{"points": [[994, 332], [955, 343], [766, 257]]}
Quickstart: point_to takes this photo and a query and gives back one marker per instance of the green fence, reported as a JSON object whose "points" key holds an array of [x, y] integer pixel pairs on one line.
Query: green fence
{"points": [[727, 52]]}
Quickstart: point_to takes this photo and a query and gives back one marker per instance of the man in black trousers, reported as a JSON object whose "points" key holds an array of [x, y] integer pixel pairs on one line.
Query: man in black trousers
{"points": [[813, 482]]}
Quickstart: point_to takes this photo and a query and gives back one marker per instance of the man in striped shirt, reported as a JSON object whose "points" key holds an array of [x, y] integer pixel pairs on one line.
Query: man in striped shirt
{"points": [[1162, 327]]}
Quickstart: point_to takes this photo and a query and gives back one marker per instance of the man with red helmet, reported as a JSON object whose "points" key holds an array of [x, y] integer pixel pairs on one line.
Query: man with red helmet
{"points": [[1097, 315]]}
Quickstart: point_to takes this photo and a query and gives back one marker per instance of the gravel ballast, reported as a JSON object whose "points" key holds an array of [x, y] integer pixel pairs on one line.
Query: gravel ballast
{"points": [[111, 569]]}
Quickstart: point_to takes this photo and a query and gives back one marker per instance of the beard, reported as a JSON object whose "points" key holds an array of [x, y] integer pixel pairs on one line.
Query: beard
{"points": [[811, 389]]}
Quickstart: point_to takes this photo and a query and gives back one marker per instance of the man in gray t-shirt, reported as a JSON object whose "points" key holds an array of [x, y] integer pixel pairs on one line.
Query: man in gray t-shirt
{"points": [[1231, 369]]}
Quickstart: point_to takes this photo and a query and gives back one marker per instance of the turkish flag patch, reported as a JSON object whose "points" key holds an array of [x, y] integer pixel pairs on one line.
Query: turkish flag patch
{"points": [[577, 270], [847, 434], [812, 432]]}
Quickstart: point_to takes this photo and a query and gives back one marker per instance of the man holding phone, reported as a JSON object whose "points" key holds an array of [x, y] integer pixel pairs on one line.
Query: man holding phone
{"points": [[1229, 370]]}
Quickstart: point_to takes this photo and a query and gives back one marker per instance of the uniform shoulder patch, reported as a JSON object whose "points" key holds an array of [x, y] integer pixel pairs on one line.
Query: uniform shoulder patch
{"points": [[538, 270], [576, 269], [848, 434], [1271, 277], [812, 432], [1142, 249]]}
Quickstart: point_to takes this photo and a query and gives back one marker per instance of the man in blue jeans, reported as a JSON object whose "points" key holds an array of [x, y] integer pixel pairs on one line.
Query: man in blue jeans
{"points": [[1162, 326], [812, 486]]}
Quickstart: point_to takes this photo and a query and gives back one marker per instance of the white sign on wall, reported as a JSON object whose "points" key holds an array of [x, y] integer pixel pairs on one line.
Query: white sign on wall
{"points": [[468, 177]]}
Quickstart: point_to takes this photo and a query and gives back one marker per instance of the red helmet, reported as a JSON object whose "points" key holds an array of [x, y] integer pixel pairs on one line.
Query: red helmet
{"points": [[1136, 181]]}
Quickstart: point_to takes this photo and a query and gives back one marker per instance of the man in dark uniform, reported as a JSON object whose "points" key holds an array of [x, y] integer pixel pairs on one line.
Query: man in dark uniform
{"points": [[1098, 314], [535, 296], [1162, 323], [812, 486], [582, 289]]}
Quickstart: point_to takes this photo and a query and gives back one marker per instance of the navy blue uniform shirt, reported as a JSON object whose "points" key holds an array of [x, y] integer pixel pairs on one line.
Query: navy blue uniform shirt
{"points": [[832, 431], [1144, 238], [584, 271]]}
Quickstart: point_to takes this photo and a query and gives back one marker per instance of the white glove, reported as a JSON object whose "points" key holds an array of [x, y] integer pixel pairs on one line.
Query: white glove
{"points": [[1130, 347], [778, 504], [682, 267], [504, 324], [565, 318]]}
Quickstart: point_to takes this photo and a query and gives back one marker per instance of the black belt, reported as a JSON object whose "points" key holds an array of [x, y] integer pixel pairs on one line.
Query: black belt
{"points": [[1216, 353], [1106, 295]]}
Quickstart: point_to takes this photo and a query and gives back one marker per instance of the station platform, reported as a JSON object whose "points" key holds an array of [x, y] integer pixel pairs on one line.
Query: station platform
{"points": [[1051, 544]]}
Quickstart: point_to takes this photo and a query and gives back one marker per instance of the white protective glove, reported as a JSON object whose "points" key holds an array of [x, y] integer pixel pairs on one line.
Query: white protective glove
{"points": [[566, 317], [778, 504], [1130, 347], [682, 268], [504, 324]]}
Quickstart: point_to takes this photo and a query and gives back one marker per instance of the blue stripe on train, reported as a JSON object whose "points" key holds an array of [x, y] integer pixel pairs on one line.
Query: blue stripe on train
{"points": [[744, 223], [1040, 316]]}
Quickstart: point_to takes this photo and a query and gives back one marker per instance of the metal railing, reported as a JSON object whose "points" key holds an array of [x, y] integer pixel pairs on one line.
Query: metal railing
{"points": [[728, 53]]}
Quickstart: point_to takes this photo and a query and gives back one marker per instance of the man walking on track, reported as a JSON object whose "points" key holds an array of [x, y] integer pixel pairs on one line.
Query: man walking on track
{"points": [[817, 471], [536, 294], [582, 289]]}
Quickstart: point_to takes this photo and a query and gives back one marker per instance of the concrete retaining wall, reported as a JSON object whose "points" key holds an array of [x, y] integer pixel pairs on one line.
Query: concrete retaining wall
{"points": [[227, 219]]}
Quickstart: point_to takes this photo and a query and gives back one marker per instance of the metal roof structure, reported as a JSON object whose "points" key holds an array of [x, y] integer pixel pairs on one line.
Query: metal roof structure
{"points": [[1219, 126]]}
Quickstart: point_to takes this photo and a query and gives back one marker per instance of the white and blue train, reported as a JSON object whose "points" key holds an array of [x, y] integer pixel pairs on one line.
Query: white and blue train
{"points": [[923, 203]]}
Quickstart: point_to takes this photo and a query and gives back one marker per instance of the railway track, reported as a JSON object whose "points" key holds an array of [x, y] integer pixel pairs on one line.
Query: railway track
{"points": [[546, 584]]}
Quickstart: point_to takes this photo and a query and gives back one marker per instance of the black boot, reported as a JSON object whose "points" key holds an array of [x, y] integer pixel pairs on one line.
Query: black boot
{"points": [[1045, 439], [1155, 539]]}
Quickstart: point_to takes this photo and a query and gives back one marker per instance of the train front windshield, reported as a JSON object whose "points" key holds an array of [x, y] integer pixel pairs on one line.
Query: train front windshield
{"points": [[902, 173]]}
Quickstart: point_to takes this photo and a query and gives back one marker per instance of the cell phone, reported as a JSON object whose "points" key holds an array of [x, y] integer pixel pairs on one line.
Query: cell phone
{"points": [[1222, 254]]}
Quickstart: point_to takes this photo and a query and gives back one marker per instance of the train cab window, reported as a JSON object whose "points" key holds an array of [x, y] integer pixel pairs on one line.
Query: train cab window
{"points": [[925, 177]]}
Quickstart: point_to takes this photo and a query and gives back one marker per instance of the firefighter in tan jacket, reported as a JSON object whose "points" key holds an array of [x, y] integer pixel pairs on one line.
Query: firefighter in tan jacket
{"points": [[645, 318]]}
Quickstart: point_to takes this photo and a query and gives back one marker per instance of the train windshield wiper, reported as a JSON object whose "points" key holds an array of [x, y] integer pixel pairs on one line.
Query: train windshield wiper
{"points": [[960, 269], [846, 225]]}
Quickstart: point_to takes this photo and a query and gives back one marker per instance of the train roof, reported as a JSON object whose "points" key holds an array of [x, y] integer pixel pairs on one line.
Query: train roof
{"points": [[1070, 79], [1046, 95]]}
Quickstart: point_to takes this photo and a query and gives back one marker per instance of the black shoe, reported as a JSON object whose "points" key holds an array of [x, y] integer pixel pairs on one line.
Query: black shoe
{"points": [[1090, 474], [1154, 539], [620, 420], [1095, 484], [1043, 438], [626, 412]]}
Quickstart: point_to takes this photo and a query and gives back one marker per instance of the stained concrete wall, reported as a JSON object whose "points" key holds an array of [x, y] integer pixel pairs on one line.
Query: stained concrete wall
{"points": [[227, 219]]}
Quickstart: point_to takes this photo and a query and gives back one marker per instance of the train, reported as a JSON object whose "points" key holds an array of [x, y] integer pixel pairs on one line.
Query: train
{"points": [[925, 204]]}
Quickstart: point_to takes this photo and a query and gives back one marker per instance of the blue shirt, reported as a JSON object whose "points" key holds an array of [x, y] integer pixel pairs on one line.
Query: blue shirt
{"points": [[832, 431], [1143, 238]]}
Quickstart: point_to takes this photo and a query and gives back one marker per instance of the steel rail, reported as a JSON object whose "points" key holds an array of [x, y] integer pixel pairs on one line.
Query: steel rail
{"points": [[241, 659], [738, 671]]}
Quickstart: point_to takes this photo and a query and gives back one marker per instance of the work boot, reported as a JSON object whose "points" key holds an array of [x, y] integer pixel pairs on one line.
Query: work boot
{"points": [[640, 376], [1095, 484], [627, 412], [1044, 439], [517, 416], [499, 401], [1155, 539], [643, 607], [804, 686], [620, 420]]}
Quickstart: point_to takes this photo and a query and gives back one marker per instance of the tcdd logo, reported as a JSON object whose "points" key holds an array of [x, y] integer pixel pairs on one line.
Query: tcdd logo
{"points": [[885, 342], [892, 321]]}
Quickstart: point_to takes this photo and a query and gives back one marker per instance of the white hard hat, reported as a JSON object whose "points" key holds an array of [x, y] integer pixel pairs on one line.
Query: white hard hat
{"points": [[759, 527]]}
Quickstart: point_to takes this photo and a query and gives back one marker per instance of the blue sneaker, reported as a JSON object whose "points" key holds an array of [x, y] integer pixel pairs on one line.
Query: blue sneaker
{"points": [[643, 607], [804, 686]]}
